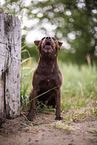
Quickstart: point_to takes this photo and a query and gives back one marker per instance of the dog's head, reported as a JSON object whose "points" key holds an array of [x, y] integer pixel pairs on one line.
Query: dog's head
{"points": [[48, 45]]}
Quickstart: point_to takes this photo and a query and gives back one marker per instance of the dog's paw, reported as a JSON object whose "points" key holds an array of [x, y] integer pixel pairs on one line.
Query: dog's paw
{"points": [[29, 117], [59, 118]]}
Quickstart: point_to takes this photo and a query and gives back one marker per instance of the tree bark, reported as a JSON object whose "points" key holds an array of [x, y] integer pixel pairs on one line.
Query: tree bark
{"points": [[10, 62]]}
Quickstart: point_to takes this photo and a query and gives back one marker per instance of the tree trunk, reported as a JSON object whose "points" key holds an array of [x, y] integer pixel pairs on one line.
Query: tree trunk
{"points": [[10, 61]]}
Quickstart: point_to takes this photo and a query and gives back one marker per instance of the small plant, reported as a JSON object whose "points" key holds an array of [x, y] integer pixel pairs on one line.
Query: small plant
{"points": [[93, 132], [26, 79]]}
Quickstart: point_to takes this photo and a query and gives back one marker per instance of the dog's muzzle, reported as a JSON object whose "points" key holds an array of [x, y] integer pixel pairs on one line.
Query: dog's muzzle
{"points": [[48, 45]]}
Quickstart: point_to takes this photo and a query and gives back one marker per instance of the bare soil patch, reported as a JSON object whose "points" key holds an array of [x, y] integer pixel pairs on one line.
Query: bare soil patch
{"points": [[45, 130]]}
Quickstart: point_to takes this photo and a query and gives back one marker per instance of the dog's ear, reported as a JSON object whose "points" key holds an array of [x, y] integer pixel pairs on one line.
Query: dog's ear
{"points": [[60, 43], [36, 42]]}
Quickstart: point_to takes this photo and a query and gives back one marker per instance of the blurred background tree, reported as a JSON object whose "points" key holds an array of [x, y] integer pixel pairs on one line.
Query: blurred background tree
{"points": [[72, 21]]}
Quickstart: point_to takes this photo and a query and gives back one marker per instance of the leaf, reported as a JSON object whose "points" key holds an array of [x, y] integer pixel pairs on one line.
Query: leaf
{"points": [[93, 132]]}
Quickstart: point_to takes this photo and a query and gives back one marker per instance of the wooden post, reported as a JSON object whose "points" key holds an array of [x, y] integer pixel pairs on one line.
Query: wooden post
{"points": [[10, 62]]}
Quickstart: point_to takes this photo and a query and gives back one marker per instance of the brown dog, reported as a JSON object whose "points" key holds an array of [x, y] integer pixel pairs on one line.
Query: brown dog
{"points": [[47, 78]]}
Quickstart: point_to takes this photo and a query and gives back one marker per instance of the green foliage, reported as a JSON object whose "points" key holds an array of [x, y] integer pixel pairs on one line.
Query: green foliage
{"points": [[94, 132], [73, 22], [79, 91], [79, 81]]}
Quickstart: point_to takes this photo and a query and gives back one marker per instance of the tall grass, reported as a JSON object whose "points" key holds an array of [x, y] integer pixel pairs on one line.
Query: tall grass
{"points": [[79, 89]]}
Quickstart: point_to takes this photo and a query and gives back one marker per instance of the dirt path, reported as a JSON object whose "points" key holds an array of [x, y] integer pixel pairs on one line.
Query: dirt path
{"points": [[48, 131]]}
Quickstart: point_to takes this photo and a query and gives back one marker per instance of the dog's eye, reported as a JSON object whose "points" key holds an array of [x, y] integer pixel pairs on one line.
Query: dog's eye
{"points": [[53, 38]]}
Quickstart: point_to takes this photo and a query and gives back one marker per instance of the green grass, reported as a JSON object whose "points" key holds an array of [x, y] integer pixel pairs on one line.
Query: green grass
{"points": [[79, 89]]}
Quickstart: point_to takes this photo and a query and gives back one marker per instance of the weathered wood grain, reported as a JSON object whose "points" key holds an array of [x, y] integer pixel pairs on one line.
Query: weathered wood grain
{"points": [[10, 61]]}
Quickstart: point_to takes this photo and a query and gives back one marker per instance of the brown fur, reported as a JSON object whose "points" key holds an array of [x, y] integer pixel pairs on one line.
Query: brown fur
{"points": [[47, 76]]}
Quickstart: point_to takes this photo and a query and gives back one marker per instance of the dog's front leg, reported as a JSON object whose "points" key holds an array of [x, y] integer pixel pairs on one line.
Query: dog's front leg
{"points": [[58, 104], [33, 94]]}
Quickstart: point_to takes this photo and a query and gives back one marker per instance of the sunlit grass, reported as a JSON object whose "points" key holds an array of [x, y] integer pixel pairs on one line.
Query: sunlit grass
{"points": [[27, 69], [79, 89]]}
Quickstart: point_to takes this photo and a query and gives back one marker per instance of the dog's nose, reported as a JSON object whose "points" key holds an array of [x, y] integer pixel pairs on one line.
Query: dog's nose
{"points": [[48, 38]]}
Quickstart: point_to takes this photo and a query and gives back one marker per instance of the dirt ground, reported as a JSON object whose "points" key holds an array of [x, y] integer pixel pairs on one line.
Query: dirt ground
{"points": [[47, 131]]}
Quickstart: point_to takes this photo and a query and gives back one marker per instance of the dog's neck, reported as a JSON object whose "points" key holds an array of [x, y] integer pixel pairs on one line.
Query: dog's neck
{"points": [[48, 64]]}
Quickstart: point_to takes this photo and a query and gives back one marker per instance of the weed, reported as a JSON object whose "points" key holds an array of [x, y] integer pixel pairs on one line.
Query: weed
{"points": [[93, 132]]}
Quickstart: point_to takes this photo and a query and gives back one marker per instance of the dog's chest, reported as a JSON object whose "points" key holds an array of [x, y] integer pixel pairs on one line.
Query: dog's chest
{"points": [[47, 75], [49, 81]]}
